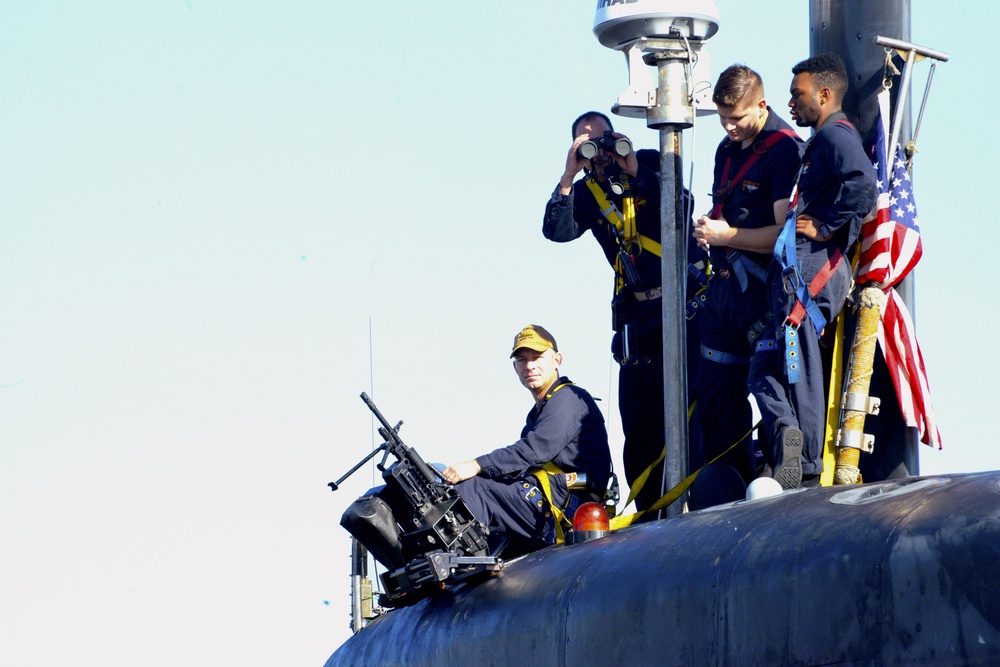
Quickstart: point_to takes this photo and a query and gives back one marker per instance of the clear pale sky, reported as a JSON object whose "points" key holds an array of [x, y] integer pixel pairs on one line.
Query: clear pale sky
{"points": [[221, 221]]}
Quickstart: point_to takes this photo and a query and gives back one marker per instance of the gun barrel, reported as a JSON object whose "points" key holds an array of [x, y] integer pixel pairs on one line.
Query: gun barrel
{"points": [[378, 415]]}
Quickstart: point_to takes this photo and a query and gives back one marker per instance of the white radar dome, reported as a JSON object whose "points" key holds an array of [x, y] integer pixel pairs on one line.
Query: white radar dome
{"points": [[620, 21]]}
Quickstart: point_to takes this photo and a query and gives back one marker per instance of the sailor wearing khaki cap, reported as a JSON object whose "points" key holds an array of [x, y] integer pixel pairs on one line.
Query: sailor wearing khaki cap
{"points": [[534, 338], [564, 433]]}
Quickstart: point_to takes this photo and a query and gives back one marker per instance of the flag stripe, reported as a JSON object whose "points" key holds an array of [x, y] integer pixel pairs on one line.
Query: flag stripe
{"points": [[890, 248]]}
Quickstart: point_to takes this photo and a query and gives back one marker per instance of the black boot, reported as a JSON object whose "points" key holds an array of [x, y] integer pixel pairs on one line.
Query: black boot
{"points": [[788, 472]]}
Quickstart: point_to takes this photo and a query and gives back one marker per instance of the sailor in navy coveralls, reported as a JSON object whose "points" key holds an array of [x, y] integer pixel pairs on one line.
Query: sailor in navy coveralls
{"points": [[755, 167], [563, 437], [811, 275], [637, 317]]}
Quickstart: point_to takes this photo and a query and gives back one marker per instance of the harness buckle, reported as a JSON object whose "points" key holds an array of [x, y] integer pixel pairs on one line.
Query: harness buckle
{"points": [[533, 494], [790, 280], [695, 303]]}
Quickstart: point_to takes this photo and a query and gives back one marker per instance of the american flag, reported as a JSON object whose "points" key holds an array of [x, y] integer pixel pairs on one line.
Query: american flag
{"points": [[890, 241], [890, 248], [906, 366]]}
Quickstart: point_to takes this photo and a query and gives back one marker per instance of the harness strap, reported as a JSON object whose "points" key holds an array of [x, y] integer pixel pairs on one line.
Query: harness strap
{"points": [[818, 282], [784, 253], [542, 475], [545, 400], [766, 345], [626, 227], [721, 357], [700, 271], [558, 513], [758, 328], [721, 193], [743, 266], [697, 302], [623, 224], [628, 217], [650, 245], [792, 354]]}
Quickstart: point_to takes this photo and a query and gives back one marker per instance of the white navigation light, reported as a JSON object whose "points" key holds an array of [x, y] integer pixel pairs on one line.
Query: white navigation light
{"points": [[620, 21], [763, 487]]}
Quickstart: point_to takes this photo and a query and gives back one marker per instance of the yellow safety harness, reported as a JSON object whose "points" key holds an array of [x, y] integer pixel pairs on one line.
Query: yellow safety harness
{"points": [[558, 513], [632, 239], [543, 475], [624, 223]]}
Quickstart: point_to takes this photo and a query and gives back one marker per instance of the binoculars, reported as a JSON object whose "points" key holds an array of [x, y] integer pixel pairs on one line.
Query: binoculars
{"points": [[608, 143]]}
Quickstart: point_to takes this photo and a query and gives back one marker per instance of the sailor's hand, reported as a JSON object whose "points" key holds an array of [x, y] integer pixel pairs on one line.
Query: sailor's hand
{"points": [[809, 226], [628, 163], [458, 472], [574, 164], [711, 232]]}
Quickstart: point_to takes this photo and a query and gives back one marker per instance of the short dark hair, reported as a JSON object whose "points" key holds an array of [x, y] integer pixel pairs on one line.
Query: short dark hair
{"points": [[590, 115], [736, 83], [828, 71]]}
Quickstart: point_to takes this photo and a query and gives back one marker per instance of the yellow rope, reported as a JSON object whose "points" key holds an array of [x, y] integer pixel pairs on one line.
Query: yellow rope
{"points": [[640, 481], [674, 493]]}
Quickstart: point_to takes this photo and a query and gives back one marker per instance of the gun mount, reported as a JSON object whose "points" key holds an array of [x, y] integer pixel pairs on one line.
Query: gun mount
{"points": [[416, 524]]}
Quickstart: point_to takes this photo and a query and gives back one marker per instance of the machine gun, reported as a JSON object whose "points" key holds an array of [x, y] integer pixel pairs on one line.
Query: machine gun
{"points": [[416, 525]]}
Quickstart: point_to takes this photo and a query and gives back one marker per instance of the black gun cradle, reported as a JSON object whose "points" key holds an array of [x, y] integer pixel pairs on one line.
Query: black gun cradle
{"points": [[416, 525]]}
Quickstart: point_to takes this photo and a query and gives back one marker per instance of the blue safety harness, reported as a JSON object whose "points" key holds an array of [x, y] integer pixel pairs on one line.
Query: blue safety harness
{"points": [[792, 283]]}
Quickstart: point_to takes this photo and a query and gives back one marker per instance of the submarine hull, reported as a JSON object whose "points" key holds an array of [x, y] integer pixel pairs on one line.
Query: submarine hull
{"points": [[904, 572]]}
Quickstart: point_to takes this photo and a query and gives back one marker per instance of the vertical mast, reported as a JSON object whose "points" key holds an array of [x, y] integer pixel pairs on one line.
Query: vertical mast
{"points": [[672, 114]]}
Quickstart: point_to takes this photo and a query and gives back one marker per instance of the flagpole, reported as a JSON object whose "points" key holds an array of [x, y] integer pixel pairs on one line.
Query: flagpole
{"points": [[912, 51]]}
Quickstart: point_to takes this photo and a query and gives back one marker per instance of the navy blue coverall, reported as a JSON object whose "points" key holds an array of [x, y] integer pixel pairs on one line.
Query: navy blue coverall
{"points": [[640, 381], [836, 185], [567, 429], [737, 296]]}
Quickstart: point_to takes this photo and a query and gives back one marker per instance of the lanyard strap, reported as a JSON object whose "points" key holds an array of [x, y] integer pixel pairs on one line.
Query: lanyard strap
{"points": [[559, 519], [623, 224], [722, 191]]}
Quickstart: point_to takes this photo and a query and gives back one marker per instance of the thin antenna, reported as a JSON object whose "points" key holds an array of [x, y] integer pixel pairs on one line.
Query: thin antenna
{"points": [[371, 392], [607, 408], [371, 388]]}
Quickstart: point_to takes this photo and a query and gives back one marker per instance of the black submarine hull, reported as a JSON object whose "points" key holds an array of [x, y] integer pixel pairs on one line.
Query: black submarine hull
{"points": [[904, 572]]}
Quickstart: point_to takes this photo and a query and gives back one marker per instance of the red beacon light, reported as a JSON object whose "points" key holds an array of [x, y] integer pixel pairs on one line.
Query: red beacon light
{"points": [[589, 523]]}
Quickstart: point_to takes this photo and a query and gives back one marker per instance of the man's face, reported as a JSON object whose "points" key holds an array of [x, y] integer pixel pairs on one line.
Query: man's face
{"points": [[595, 128], [805, 100], [537, 370], [743, 121]]}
